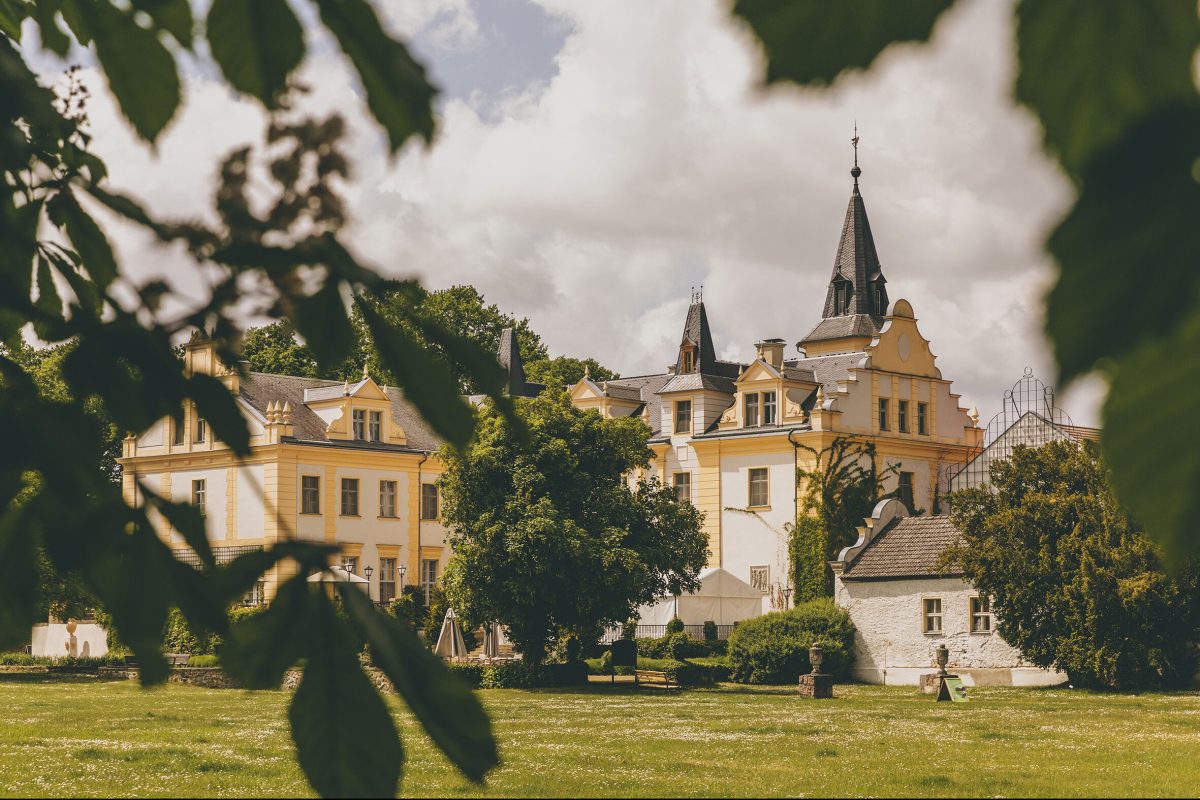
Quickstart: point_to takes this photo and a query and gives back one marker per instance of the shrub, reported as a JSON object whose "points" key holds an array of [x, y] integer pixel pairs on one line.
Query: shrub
{"points": [[678, 646], [710, 631], [202, 661], [178, 637], [675, 626], [718, 667], [629, 629], [773, 648], [409, 607], [519, 675], [470, 674]]}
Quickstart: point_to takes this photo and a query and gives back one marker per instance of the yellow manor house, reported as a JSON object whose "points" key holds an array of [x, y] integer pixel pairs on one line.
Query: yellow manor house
{"points": [[352, 464]]}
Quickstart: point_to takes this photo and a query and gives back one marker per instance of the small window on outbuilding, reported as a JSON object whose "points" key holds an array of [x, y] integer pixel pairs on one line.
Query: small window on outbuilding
{"points": [[932, 615], [981, 615]]}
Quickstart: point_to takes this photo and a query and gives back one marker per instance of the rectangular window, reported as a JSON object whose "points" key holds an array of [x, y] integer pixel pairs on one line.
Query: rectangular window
{"points": [[199, 495], [683, 486], [201, 429], [768, 408], [375, 427], [922, 425], [256, 596], [902, 412], [883, 414], [429, 576], [310, 494], [683, 416], [360, 425], [429, 501], [387, 498], [905, 492], [349, 497], [177, 431], [932, 615], [750, 410], [759, 494], [387, 580], [981, 615], [687, 360]]}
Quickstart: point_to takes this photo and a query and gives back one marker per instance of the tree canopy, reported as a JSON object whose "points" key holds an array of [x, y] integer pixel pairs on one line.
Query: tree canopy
{"points": [[547, 535], [1075, 583]]}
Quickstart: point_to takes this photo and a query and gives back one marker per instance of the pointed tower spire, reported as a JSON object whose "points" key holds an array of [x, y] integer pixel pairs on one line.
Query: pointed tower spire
{"points": [[696, 350], [509, 356], [856, 300]]}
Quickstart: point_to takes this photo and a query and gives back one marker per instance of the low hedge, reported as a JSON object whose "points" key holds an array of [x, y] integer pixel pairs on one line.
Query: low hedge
{"points": [[696, 672], [519, 675], [678, 646], [203, 661], [773, 648], [27, 660]]}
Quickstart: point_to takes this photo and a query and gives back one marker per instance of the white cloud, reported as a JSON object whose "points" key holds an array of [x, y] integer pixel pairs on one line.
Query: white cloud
{"points": [[650, 163]]}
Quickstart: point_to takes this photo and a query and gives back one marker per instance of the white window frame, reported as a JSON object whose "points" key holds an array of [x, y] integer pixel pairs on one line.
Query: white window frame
{"points": [[200, 495], [387, 577], [375, 426], [437, 503], [429, 576], [682, 481], [928, 616], [902, 416], [358, 424], [387, 500], [304, 490], [766, 472], [984, 615], [750, 410], [350, 488], [884, 412], [201, 430], [687, 428], [770, 408], [922, 418]]}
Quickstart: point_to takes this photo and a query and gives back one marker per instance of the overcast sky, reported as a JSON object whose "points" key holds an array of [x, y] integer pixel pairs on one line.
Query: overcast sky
{"points": [[597, 160]]}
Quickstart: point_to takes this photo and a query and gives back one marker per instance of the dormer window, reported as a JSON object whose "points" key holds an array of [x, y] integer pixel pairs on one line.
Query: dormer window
{"points": [[841, 297], [768, 408], [360, 424], [375, 426], [683, 416], [750, 410], [688, 362]]}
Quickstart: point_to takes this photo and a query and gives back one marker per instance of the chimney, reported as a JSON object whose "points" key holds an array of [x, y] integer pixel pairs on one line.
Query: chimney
{"points": [[771, 351]]}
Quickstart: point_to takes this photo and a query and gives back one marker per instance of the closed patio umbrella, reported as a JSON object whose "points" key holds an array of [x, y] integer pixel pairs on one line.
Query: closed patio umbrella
{"points": [[337, 575], [450, 642], [491, 640]]}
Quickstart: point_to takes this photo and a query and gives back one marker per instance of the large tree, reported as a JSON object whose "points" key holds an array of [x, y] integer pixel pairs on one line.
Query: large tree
{"points": [[547, 534], [1075, 583]]}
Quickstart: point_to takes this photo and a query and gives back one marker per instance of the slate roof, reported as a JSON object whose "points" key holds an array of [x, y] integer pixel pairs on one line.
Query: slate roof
{"points": [[843, 326], [612, 389], [857, 261], [260, 388], [828, 370], [908, 548], [647, 387], [694, 381]]}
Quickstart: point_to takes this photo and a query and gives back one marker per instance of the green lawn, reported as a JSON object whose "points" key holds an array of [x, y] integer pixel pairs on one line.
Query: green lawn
{"points": [[88, 738]]}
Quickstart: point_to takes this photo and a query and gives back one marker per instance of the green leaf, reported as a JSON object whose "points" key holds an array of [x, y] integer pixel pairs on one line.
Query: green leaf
{"points": [[48, 301], [18, 229], [262, 647], [12, 13], [52, 36], [140, 71], [322, 320], [811, 42], [185, 518], [450, 713], [1088, 76], [398, 93], [345, 739], [90, 242], [427, 382], [217, 405], [256, 44], [1128, 250], [173, 16], [1153, 391], [18, 576]]}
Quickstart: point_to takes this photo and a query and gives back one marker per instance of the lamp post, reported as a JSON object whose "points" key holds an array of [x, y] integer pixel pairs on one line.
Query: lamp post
{"points": [[368, 571], [402, 570], [348, 568], [787, 597]]}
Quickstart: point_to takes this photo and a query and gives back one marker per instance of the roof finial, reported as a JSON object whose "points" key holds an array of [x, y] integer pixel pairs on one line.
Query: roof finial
{"points": [[854, 173], [700, 297]]}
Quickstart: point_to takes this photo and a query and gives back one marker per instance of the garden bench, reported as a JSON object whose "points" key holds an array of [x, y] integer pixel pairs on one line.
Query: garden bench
{"points": [[653, 678], [177, 659]]}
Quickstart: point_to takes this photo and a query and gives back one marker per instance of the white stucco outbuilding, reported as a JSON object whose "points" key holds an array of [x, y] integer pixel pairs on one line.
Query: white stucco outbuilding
{"points": [[905, 602], [722, 598]]}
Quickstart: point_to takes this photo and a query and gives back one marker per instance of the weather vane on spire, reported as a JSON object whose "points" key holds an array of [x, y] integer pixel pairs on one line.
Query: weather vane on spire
{"points": [[856, 171]]}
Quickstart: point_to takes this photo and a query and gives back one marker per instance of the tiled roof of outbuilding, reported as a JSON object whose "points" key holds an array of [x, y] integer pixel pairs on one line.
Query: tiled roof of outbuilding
{"points": [[909, 548]]}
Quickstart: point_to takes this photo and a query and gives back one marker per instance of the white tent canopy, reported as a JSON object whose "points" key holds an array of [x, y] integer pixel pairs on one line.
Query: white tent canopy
{"points": [[722, 598], [336, 575], [450, 643]]}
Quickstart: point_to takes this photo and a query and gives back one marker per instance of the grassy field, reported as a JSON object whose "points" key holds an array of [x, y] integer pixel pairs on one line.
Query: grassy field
{"points": [[83, 737]]}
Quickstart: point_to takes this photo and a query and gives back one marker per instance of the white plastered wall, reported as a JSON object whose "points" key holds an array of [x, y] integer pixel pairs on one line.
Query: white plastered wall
{"points": [[892, 648], [250, 516], [214, 501], [757, 537]]}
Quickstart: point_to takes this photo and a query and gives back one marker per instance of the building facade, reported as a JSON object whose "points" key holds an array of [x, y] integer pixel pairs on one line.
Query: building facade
{"points": [[349, 464], [730, 436]]}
